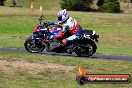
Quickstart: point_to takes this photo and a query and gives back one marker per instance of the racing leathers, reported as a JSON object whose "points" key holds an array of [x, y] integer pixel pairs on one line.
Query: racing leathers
{"points": [[71, 26]]}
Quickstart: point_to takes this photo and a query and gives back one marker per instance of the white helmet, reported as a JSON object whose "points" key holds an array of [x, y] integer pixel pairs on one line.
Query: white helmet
{"points": [[63, 16]]}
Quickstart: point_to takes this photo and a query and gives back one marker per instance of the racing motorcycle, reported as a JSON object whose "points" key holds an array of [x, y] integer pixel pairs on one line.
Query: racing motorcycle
{"points": [[38, 41]]}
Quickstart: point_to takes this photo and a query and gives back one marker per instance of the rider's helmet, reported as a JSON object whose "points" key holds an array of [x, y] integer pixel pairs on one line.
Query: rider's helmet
{"points": [[63, 16]]}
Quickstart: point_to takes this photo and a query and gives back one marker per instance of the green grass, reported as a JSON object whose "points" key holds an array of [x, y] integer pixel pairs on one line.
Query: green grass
{"points": [[18, 77]]}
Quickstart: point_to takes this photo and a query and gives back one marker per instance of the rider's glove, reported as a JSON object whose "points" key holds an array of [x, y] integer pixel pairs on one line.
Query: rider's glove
{"points": [[50, 23]]}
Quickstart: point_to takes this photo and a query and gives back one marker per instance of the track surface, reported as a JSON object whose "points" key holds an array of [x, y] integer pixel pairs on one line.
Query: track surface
{"points": [[95, 56]]}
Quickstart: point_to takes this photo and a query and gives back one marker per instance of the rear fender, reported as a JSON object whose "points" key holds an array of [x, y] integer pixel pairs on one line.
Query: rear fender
{"points": [[94, 37], [91, 34]]}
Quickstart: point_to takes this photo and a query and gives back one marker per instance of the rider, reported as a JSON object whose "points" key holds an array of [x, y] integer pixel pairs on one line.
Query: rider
{"points": [[68, 24]]}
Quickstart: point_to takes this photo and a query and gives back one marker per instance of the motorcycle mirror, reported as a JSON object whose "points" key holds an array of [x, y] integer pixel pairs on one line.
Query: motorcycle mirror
{"points": [[41, 18]]}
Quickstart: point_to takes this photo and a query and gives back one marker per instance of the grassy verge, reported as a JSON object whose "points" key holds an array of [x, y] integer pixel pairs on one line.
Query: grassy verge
{"points": [[22, 70]]}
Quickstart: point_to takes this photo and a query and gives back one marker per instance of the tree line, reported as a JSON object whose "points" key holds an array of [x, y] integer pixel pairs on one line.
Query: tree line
{"points": [[112, 6]]}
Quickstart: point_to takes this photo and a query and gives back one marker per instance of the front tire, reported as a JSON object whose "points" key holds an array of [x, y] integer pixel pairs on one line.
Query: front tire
{"points": [[87, 48], [33, 46]]}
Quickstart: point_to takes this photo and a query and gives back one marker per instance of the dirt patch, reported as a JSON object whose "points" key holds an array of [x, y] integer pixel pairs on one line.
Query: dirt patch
{"points": [[32, 68], [3, 64]]}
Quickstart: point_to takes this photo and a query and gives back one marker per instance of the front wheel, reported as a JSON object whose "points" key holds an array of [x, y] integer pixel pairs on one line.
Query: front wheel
{"points": [[34, 46], [87, 48]]}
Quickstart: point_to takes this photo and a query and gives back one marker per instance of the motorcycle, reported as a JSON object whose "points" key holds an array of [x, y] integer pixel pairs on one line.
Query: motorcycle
{"points": [[38, 41]]}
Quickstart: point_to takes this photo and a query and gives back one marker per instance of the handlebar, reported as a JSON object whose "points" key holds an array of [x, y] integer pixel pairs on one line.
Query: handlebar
{"points": [[45, 24]]}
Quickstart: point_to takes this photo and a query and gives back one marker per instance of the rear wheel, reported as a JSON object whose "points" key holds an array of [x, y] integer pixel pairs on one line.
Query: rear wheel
{"points": [[87, 48], [34, 46]]}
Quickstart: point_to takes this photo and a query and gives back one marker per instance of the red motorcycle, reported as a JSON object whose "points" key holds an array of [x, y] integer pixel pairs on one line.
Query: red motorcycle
{"points": [[38, 41]]}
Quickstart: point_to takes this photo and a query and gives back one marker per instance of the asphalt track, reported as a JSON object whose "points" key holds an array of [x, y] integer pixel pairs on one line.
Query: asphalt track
{"points": [[95, 56]]}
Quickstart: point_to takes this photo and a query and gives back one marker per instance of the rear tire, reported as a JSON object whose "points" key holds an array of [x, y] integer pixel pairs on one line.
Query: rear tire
{"points": [[87, 48], [33, 46]]}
